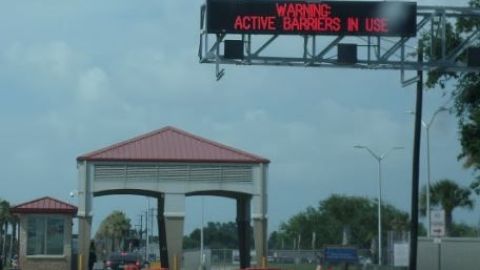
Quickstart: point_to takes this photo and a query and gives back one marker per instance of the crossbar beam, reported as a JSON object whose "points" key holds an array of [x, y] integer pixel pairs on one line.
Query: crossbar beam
{"points": [[396, 53]]}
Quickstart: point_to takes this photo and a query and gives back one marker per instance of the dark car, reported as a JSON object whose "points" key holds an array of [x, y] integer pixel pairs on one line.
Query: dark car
{"points": [[124, 261]]}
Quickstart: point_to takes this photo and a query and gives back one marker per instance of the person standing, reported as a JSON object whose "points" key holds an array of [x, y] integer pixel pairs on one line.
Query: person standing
{"points": [[92, 256]]}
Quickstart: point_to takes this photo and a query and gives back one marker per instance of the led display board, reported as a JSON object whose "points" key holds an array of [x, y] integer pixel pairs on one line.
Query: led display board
{"points": [[354, 18]]}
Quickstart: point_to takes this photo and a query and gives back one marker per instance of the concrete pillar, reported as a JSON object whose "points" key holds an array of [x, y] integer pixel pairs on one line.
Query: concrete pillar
{"points": [[85, 200], [260, 237], [174, 214], [84, 232], [162, 235], [259, 214], [243, 227]]}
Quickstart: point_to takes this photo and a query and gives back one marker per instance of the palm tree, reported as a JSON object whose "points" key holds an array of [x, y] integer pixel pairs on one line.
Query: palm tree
{"points": [[449, 195], [114, 227], [13, 240], [4, 219]]}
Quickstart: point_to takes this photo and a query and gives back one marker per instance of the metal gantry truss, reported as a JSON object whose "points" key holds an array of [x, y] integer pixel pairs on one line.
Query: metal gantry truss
{"points": [[395, 53]]}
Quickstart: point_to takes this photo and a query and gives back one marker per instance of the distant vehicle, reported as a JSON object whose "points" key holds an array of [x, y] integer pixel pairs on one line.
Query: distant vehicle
{"points": [[124, 261], [364, 260]]}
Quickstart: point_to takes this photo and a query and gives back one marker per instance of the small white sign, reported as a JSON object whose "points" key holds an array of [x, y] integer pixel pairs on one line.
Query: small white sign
{"points": [[437, 220]]}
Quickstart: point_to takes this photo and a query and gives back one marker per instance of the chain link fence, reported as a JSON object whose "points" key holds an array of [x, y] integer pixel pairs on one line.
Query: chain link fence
{"points": [[228, 259]]}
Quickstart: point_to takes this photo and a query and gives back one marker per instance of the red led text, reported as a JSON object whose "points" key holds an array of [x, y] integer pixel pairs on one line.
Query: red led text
{"points": [[311, 18], [255, 23], [376, 25], [311, 24], [303, 10]]}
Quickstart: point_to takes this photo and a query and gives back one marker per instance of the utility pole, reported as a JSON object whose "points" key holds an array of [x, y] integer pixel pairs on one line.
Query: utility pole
{"points": [[151, 220], [416, 165], [141, 227]]}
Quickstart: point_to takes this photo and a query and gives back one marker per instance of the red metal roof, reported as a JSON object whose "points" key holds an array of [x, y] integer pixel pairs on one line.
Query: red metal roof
{"points": [[45, 205], [170, 144]]}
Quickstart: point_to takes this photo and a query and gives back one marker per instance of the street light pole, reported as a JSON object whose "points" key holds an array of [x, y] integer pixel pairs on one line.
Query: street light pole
{"points": [[379, 159], [429, 175]]}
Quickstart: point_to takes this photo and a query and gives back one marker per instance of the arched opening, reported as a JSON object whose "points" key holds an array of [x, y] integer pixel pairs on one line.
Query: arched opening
{"points": [[215, 232], [241, 203]]}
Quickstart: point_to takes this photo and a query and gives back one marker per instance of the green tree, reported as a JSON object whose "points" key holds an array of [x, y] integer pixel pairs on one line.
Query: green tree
{"points": [[216, 235], [221, 235], [329, 219], [5, 219], [449, 195], [113, 231], [466, 92], [463, 230], [192, 240], [13, 240]]}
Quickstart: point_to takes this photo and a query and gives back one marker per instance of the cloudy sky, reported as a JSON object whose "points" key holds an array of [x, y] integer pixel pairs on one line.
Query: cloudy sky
{"points": [[79, 75]]}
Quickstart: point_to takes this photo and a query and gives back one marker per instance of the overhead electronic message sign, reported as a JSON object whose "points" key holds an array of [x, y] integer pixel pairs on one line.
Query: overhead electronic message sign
{"points": [[312, 17]]}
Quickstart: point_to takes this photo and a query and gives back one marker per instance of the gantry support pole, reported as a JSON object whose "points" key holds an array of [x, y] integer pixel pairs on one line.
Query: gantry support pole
{"points": [[243, 227], [162, 235]]}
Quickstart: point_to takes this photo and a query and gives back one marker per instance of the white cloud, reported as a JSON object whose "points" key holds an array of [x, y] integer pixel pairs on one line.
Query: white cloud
{"points": [[53, 59], [94, 85]]}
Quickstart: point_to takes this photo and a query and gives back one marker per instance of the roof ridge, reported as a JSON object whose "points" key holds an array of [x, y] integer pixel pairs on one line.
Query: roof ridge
{"points": [[61, 202], [43, 198], [122, 143], [178, 131], [29, 202], [223, 146]]}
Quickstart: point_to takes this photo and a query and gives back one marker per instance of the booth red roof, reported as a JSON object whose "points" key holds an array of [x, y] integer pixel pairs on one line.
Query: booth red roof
{"points": [[45, 205], [170, 144]]}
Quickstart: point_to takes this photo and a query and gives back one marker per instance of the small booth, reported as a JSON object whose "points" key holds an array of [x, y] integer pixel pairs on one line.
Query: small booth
{"points": [[45, 235]]}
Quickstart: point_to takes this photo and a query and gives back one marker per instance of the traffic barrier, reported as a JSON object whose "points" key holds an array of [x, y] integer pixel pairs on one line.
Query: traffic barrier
{"points": [[175, 262], [80, 261], [156, 266]]}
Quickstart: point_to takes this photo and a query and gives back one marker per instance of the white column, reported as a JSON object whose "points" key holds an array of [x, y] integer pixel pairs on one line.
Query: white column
{"points": [[174, 214], [85, 198], [259, 213]]}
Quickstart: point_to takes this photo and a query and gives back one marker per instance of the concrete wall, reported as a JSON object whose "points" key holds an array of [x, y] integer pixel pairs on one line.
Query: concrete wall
{"points": [[450, 253], [45, 262]]}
